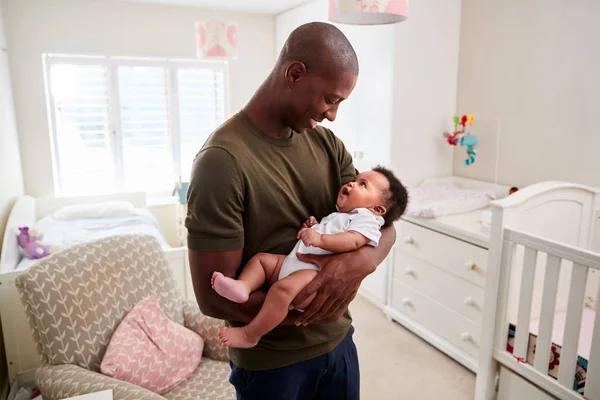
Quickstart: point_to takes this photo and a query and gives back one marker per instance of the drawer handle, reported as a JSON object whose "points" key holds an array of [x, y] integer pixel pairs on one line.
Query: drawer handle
{"points": [[465, 337], [469, 266], [406, 301], [408, 271], [469, 301], [408, 240]]}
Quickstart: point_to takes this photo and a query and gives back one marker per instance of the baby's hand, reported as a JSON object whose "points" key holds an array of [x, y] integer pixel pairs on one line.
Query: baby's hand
{"points": [[312, 221], [310, 237]]}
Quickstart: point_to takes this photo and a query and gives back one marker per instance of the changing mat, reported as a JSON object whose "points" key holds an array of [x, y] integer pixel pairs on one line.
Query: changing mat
{"points": [[432, 201]]}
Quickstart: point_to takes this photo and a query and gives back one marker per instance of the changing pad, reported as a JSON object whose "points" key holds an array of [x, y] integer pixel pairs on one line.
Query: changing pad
{"points": [[432, 201]]}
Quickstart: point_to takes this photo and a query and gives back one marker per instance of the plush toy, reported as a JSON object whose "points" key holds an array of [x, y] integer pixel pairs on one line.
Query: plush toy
{"points": [[462, 138], [469, 143], [30, 242]]}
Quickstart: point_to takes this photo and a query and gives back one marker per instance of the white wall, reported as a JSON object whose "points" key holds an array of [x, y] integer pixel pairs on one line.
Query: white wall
{"points": [[112, 28], [425, 88], [534, 67], [11, 178]]}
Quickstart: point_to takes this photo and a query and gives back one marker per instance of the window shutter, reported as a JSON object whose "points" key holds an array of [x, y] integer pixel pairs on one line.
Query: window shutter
{"points": [[124, 124], [80, 95], [201, 97], [145, 129]]}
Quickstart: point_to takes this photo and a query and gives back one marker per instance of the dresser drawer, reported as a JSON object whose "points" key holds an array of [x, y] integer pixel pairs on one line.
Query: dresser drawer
{"points": [[460, 258], [444, 322], [456, 293]]}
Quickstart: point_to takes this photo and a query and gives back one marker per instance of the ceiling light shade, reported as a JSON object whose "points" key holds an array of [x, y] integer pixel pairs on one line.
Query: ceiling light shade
{"points": [[216, 39], [368, 12]]}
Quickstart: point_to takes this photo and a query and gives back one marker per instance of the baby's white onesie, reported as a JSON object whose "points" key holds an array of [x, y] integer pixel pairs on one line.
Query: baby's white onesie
{"points": [[360, 220]]}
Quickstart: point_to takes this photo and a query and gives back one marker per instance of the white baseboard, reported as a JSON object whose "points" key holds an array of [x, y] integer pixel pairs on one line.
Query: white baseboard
{"points": [[444, 346], [365, 294]]}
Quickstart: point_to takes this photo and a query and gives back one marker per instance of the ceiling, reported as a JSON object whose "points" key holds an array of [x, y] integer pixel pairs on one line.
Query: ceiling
{"points": [[252, 6]]}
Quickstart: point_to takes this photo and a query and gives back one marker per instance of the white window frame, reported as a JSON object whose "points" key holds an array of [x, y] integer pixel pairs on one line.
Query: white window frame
{"points": [[113, 63]]}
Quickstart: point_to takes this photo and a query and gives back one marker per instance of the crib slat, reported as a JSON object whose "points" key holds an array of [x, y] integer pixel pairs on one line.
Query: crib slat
{"points": [[525, 297], [542, 348], [568, 354], [506, 267], [592, 379]]}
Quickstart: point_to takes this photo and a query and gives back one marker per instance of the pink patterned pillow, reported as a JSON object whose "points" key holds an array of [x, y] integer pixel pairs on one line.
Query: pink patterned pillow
{"points": [[151, 351]]}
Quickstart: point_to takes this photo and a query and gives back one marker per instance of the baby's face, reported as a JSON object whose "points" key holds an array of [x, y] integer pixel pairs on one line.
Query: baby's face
{"points": [[366, 191]]}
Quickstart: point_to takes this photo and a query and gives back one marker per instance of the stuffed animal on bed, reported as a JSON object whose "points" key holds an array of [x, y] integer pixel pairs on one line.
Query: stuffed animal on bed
{"points": [[30, 242]]}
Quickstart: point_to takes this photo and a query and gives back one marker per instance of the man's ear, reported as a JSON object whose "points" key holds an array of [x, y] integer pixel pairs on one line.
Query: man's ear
{"points": [[294, 72], [379, 210]]}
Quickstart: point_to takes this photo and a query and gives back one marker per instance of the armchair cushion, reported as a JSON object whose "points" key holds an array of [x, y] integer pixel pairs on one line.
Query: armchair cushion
{"points": [[207, 328], [150, 350], [61, 381], [77, 297], [209, 382]]}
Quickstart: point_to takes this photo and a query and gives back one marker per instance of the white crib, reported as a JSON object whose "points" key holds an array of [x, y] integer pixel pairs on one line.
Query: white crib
{"points": [[542, 281]]}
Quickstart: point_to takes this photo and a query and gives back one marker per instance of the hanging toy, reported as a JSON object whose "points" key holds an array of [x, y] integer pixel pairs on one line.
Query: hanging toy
{"points": [[469, 143], [461, 137]]}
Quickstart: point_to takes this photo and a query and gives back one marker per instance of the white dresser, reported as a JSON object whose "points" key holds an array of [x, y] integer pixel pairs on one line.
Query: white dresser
{"points": [[437, 280]]}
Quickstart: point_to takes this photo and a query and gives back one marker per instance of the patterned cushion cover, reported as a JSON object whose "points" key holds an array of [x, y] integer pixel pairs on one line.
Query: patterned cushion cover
{"points": [[150, 350]]}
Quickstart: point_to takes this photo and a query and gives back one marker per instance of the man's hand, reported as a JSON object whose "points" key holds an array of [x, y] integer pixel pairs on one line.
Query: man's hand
{"points": [[310, 222], [336, 285], [310, 237]]}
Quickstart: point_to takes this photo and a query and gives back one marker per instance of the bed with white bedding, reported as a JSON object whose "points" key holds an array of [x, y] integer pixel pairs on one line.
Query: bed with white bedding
{"points": [[71, 232], [66, 222]]}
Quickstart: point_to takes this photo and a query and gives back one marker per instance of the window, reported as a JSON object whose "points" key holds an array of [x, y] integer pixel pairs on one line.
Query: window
{"points": [[130, 124]]}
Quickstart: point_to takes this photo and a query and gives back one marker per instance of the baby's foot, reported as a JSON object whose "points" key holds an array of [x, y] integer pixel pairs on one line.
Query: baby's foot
{"points": [[231, 289], [236, 337]]}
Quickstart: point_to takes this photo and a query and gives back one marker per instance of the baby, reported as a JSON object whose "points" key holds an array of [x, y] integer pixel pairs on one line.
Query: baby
{"points": [[376, 198]]}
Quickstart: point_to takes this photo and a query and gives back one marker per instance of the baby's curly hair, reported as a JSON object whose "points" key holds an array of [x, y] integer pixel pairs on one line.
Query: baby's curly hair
{"points": [[396, 199]]}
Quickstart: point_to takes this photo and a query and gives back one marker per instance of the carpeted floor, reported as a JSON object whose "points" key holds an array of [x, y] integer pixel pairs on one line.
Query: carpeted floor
{"points": [[395, 364]]}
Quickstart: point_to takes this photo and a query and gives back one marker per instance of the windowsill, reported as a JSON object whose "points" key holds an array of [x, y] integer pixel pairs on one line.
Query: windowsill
{"points": [[162, 201]]}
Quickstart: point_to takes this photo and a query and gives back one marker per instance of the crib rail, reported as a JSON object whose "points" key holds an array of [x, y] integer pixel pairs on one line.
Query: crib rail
{"points": [[582, 261]]}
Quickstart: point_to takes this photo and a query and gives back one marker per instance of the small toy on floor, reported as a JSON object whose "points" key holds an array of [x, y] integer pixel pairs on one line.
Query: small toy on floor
{"points": [[30, 241], [461, 137]]}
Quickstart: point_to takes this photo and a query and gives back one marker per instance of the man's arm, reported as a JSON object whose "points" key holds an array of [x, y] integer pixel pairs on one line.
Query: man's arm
{"points": [[374, 256], [202, 266]]}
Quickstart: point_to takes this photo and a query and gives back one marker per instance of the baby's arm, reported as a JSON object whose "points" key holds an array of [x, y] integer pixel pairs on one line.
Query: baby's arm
{"points": [[310, 222], [337, 243]]}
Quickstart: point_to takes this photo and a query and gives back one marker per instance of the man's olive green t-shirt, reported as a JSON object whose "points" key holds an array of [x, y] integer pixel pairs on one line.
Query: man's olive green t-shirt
{"points": [[253, 192]]}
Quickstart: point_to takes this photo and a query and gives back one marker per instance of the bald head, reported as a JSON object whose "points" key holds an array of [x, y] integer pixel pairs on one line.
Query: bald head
{"points": [[322, 48]]}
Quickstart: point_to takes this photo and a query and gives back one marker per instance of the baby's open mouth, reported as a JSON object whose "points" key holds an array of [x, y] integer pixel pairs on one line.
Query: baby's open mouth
{"points": [[345, 191]]}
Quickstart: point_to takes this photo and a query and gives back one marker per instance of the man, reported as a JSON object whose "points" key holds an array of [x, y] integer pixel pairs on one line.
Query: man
{"points": [[255, 181]]}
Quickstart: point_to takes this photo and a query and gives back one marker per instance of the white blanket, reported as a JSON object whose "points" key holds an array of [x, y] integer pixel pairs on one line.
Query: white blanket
{"points": [[434, 201], [72, 232]]}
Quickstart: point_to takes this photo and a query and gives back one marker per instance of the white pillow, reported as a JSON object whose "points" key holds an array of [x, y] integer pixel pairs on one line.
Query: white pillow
{"points": [[108, 209]]}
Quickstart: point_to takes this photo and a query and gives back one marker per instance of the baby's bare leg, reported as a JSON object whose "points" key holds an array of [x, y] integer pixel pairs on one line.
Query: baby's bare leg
{"points": [[260, 269], [272, 313]]}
